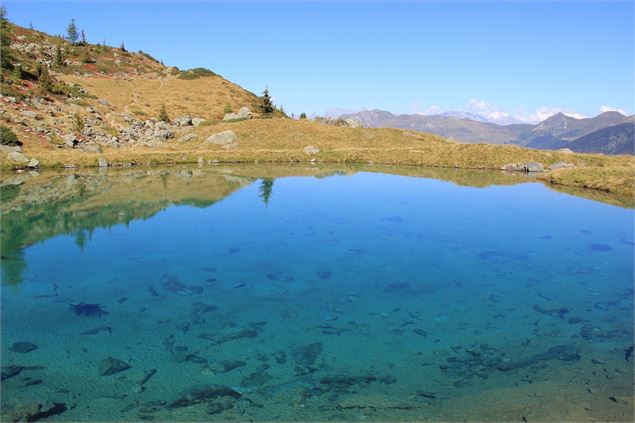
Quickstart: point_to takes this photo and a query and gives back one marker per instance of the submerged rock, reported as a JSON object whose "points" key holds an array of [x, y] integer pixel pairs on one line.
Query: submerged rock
{"points": [[110, 366], [13, 370], [307, 354], [23, 347], [90, 310], [31, 412], [200, 394]]}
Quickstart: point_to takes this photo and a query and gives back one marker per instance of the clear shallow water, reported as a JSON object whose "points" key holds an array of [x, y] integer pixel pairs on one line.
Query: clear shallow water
{"points": [[197, 295]]}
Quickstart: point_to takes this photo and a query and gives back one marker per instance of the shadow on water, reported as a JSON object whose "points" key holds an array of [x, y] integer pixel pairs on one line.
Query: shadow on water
{"points": [[40, 206]]}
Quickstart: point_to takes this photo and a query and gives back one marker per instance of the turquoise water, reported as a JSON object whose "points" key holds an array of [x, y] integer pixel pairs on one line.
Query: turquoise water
{"points": [[358, 296]]}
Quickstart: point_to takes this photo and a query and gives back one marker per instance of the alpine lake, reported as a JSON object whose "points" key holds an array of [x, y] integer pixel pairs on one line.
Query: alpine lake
{"points": [[313, 293]]}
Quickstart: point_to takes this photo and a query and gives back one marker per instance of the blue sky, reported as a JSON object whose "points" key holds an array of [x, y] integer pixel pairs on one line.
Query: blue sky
{"points": [[501, 59]]}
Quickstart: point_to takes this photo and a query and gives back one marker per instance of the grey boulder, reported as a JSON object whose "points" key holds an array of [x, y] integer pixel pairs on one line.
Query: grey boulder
{"points": [[226, 139]]}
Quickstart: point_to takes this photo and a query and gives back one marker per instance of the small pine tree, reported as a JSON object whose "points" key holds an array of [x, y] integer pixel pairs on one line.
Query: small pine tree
{"points": [[302, 115], [59, 58], [31, 26], [267, 104], [71, 32], [83, 39], [123, 47], [228, 108], [17, 73], [163, 114], [46, 83], [78, 123]]}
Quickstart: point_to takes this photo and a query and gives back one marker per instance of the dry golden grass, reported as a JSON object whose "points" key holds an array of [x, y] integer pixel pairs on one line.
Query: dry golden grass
{"points": [[204, 97]]}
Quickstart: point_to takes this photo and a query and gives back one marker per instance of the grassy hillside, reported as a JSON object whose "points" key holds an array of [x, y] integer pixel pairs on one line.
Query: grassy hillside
{"points": [[204, 97], [100, 94]]}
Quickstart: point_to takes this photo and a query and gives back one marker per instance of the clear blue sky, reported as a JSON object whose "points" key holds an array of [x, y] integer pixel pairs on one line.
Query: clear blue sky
{"points": [[514, 57]]}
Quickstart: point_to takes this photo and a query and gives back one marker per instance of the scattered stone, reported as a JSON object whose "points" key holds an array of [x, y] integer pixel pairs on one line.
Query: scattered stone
{"points": [[535, 167], [341, 383], [347, 123], [183, 121], [229, 365], [70, 141], [110, 366], [202, 394], [243, 113], [33, 163], [244, 333], [594, 333], [198, 308], [23, 347], [311, 150], [90, 310], [7, 372], [559, 312], [560, 352], [187, 137], [226, 139], [31, 412], [172, 284], [561, 165], [565, 150], [98, 330], [103, 102], [29, 114], [197, 121], [217, 407], [101, 162]]}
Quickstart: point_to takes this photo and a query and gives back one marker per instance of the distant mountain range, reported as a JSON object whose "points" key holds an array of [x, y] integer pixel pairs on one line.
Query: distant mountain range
{"points": [[607, 133]]}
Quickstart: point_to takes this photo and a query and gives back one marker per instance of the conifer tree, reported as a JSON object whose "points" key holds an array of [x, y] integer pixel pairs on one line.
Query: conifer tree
{"points": [[302, 115], [163, 114], [123, 47], [46, 83], [59, 59], [71, 32], [83, 39], [267, 104]]}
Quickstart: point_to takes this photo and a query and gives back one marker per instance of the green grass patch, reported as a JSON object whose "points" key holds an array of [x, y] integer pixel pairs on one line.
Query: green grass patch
{"points": [[196, 73]]}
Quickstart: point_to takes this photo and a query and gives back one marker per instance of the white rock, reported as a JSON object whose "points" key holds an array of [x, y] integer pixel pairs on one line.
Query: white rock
{"points": [[226, 139], [311, 150]]}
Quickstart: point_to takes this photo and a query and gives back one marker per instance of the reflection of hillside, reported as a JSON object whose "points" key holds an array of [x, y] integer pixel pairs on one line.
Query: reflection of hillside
{"points": [[53, 204], [37, 208]]}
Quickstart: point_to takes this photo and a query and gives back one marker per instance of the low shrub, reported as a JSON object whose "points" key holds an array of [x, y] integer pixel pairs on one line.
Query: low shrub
{"points": [[8, 137]]}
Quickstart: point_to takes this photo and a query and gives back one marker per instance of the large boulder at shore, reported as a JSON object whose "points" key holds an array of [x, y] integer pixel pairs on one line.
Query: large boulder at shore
{"points": [[561, 165], [226, 139], [309, 149], [17, 157]]}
